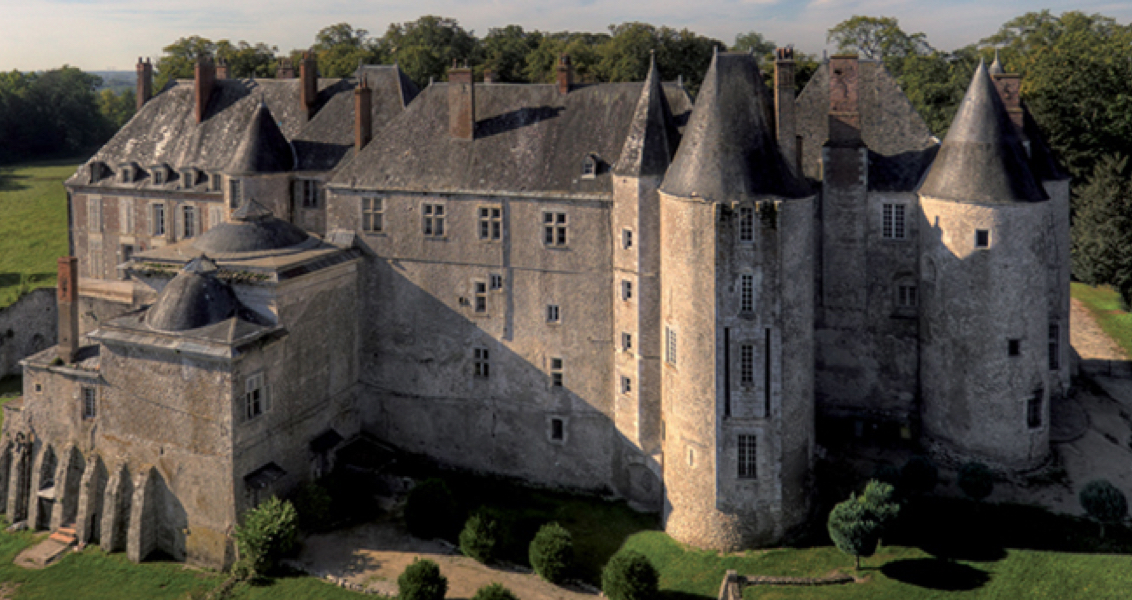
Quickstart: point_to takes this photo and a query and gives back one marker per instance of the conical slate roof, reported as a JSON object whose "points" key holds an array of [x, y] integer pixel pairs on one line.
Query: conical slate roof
{"points": [[982, 159], [996, 67], [252, 229], [647, 150], [264, 149], [195, 298], [728, 151]]}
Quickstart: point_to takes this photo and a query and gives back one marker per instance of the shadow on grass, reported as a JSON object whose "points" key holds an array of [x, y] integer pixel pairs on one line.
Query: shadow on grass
{"points": [[676, 595], [10, 182], [936, 574]]}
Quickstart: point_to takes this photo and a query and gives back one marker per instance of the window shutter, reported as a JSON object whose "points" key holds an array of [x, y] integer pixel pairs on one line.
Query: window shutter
{"points": [[179, 217], [124, 216]]}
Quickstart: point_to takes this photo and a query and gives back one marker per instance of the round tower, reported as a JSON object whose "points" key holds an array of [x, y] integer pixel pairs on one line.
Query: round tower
{"points": [[737, 322], [985, 319]]}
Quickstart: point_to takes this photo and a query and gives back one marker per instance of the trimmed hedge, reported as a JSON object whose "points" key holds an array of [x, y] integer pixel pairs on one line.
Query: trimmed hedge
{"points": [[552, 553], [630, 576], [422, 581]]}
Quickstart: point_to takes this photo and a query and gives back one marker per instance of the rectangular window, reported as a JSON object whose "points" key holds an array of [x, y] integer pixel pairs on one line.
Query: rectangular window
{"points": [[94, 214], [496, 282], [433, 220], [557, 429], [746, 224], [157, 220], [747, 365], [670, 346], [95, 251], [626, 238], [158, 176], [1054, 347], [214, 182], [90, 402], [482, 363], [556, 372], [254, 398], [1014, 347], [310, 193], [746, 293], [892, 222], [747, 456], [125, 216], [234, 193], [373, 215], [554, 228], [188, 179], [491, 222], [982, 238], [481, 297], [553, 315], [215, 216], [626, 290], [1034, 409], [626, 341], [188, 221], [626, 385], [906, 296]]}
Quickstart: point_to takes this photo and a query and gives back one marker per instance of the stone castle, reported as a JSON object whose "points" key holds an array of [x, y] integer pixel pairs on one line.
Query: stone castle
{"points": [[601, 286]]}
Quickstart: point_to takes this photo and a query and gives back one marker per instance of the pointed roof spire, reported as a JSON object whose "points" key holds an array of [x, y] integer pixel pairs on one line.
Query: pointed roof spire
{"points": [[728, 151], [201, 265], [982, 159], [251, 210], [647, 150], [264, 149], [996, 67]]}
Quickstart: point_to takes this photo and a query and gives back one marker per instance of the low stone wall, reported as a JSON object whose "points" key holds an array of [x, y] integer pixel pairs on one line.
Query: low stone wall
{"points": [[733, 583], [26, 327]]}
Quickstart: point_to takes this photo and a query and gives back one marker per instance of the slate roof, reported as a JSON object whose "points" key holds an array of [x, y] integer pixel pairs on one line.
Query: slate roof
{"points": [[729, 151], [193, 299], [900, 144], [252, 228], [263, 149], [982, 159], [647, 150], [528, 139]]}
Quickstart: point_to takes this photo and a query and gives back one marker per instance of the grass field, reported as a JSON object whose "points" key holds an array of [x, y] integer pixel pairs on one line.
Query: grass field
{"points": [[33, 224], [1104, 304]]}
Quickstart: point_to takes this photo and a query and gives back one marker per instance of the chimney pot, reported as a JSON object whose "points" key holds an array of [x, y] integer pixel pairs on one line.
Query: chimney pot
{"points": [[565, 72]]}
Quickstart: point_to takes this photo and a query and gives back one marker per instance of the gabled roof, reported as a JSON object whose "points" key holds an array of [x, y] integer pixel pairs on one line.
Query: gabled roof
{"points": [[647, 150], [528, 139], [263, 149], [729, 152], [982, 159]]}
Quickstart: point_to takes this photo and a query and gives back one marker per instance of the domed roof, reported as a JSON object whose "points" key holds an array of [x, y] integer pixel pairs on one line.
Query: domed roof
{"points": [[195, 298], [252, 229]]}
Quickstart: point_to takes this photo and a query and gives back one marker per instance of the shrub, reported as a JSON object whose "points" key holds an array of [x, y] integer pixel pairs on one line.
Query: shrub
{"points": [[422, 581], [919, 476], [857, 524], [313, 504], [494, 591], [430, 510], [630, 576], [1103, 502], [552, 552], [480, 537], [268, 532], [976, 480]]}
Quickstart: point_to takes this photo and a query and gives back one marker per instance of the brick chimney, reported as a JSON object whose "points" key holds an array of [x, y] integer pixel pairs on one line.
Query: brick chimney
{"points": [[285, 69], [1009, 86], [308, 72], [461, 103], [844, 116], [784, 120], [221, 68], [204, 78], [68, 301], [145, 82], [565, 74], [363, 118]]}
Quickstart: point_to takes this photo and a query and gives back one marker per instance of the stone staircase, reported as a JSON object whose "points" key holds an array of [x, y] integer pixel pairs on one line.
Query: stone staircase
{"points": [[65, 535], [49, 550]]}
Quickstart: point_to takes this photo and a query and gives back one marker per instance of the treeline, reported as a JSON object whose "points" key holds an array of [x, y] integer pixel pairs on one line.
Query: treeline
{"points": [[57, 113]]}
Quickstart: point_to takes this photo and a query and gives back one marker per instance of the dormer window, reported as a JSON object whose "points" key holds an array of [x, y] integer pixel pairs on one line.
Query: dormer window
{"points": [[188, 178], [97, 170], [126, 173], [215, 180], [158, 176], [589, 166]]}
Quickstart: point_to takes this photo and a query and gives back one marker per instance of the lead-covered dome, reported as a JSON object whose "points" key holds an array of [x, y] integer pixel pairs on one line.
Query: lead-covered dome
{"points": [[252, 229], [195, 298]]}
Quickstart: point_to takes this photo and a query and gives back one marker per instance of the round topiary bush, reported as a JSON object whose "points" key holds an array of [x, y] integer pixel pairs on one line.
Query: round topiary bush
{"points": [[919, 476], [552, 553], [1103, 502], [976, 480], [268, 531], [430, 510], [313, 504], [480, 537], [494, 591], [630, 576], [422, 581]]}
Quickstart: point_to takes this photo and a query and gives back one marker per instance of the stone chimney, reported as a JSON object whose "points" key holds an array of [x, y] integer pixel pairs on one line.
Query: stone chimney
{"points": [[844, 115], [1009, 86], [205, 78], [363, 117], [285, 69], [221, 68], [784, 120], [565, 74], [488, 76], [68, 301], [145, 82], [308, 72], [461, 103]]}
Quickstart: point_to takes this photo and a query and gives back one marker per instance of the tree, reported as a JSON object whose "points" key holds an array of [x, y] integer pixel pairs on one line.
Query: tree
{"points": [[552, 552], [340, 48], [117, 108], [313, 503], [428, 47], [935, 83], [1101, 246], [179, 59], [247, 60], [1103, 502], [268, 531], [876, 38], [630, 576], [480, 537], [857, 524], [626, 55], [505, 51], [494, 591], [422, 580], [976, 480], [542, 62], [756, 44]]}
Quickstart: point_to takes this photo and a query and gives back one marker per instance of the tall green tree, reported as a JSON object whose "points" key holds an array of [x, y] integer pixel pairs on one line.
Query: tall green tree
{"points": [[179, 58], [935, 83], [428, 47], [542, 62], [340, 48], [505, 52], [876, 38], [247, 60], [679, 54], [117, 108], [857, 524], [1101, 246]]}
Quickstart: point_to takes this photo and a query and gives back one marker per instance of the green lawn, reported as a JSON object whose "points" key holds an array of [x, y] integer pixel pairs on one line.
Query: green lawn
{"points": [[1104, 304], [33, 224]]}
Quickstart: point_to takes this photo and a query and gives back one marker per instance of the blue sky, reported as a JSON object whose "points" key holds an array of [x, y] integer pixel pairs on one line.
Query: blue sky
{"points": [[112, 34]]}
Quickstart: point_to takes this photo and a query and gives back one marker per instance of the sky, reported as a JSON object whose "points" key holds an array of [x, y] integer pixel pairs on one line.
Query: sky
{"points": [[112, 34]]}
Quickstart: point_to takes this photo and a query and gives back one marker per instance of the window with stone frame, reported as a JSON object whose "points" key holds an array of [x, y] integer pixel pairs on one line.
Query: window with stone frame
{"points": [[125, 215], [626, 341], [553, 314], [746, 224], [556, 372], [670, 346], [490, 223], [235, 193], [626, 238], [747, 456], [893, 221], [432, 220], [982, 238], [157, 219], [557, 429], [215, 180], [747, 365], [481, 362], [94, 214], [90, 401], [310, 191], [626, 385], [554, 228], [373, 214], [746, 293], [906, 295], [626, 290], [479, 301], [189, 221], [496, 282], [255, 396]]}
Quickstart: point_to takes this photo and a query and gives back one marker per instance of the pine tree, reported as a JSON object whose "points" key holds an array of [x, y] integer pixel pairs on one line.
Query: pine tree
{"points": [[1102, 229]]}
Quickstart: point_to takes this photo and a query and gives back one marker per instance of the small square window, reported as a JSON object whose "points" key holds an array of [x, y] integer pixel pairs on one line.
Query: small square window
{"points": [[490, 223], [626, 341], [373, 215], [982, 238], [1014, 347], [482, 364], [626, 385], [626, 238], [496, 282], [38, 388], [481, 297], [553, 315], [557, 430], [556, 372], [433, 220], [626, 290]]}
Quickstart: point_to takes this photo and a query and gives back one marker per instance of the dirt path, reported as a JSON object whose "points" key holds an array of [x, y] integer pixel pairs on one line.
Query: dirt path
{"points": [[1088, 339]]}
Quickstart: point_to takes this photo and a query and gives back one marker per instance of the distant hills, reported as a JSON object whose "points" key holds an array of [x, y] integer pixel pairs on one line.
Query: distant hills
{"points": [[117, 81]]}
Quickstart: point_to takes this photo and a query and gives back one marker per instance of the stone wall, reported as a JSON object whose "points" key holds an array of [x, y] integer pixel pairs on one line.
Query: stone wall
{"points": [[26, 327]]}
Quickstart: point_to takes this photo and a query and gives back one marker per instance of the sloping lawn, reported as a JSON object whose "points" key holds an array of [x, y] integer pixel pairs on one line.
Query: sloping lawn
{"points": [[33, 225], [1104, 304]]}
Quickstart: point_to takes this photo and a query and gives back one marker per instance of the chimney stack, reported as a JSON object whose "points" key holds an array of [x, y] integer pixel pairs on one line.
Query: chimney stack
{"points": [[461, 103], [1009, 86], [205, 77], [68, 300], [844, 115], [363, 118], [285, 69], [221, 68], [145, 82], [565, 74], [308, 72], [784, 121]]}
